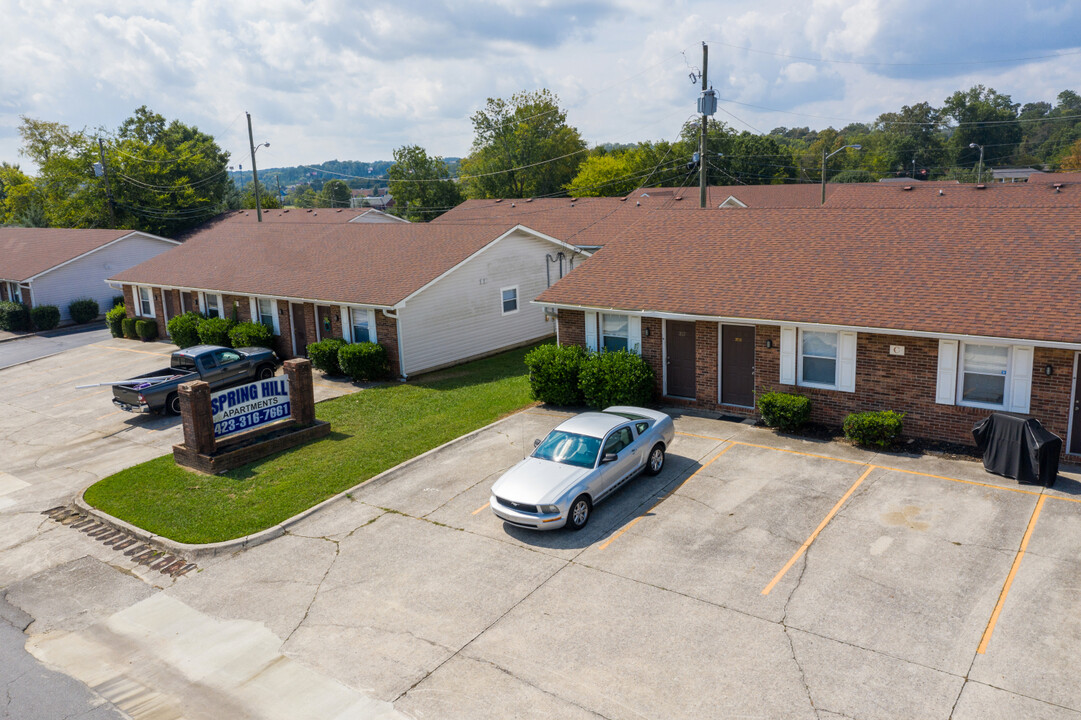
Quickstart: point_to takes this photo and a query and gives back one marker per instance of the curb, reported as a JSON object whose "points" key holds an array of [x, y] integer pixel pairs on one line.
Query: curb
{"points": [[58, 332], [195, 551]]}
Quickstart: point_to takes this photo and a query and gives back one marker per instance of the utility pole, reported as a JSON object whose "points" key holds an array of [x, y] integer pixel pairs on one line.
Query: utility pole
{"points": [[705, 121], [278, 179], [254, 172], [108, 187]]}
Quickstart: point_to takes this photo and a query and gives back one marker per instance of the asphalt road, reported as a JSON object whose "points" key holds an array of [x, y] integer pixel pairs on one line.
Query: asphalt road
{"points": [[30, 691], [23, 350]]}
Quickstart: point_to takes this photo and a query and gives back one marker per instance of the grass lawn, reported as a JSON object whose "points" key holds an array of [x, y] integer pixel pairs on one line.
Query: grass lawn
{"points": [[372, 430]]}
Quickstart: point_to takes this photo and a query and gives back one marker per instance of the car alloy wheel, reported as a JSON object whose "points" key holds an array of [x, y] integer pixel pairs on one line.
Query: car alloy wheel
{"points": [[579, 513], [656, 459], [266, 372], [173, 404]]}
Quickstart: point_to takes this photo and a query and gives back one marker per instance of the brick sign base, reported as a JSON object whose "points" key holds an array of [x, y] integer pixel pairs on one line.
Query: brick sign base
{"points": [[202, 452]]}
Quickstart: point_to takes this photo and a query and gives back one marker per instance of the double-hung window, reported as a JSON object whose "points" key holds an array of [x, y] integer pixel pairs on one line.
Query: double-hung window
{"points": [[213, 305], [266, 312], [509, 298], [146, 302], [818, 358], [361, 332], [614, 332], [983, 372]]}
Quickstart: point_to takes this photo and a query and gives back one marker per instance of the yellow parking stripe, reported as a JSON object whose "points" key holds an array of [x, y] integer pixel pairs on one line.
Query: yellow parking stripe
{"points": [[479, 509], [1009, 578], [141, 352], [821, 526], [701, 437], [629, 525]]}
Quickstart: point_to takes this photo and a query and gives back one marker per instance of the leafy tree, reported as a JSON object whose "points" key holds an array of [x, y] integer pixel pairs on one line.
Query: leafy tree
{"points": [[302, 196], [628, 168], [756, 159], [268, 199], [915, 132], [1072, 159], [522, 148], [984, 117], [335, 194], [853, 176], [20, 202], [421, 185]]}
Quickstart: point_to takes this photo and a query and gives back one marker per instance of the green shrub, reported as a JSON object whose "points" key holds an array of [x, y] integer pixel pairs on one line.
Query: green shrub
{"points": [[879, 429], [363, 361], [184, 329], [83, 311], [615, 378], [324, 355], [146, 329], [215, 331], [553, 373], [14, 316], [114, 318], [128, 327], [118, 300], [784, 411], [251, 334], [45, 317]]}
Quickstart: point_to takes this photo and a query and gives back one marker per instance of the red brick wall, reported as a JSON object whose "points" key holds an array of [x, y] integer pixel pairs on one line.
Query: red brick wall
{"points": [[4, 292], [129, 300], [905, 383], [159, 319], [652, 350], [283, 343], [240, 303], [386, 332]]}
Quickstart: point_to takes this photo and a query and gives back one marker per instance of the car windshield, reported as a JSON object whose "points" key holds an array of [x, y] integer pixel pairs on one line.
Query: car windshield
{"points": [[569, 449]]}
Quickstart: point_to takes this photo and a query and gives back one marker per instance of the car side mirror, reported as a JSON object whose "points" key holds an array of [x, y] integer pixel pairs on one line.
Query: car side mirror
{"points": [[536, 442], [609, 457]]}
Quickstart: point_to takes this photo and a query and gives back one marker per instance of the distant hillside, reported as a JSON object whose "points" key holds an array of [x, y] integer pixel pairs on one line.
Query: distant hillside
{"points": [[357, 174]]}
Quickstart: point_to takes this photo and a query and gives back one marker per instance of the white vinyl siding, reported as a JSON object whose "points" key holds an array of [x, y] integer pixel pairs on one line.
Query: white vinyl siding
{"points": [[458, 317], [85, 277]]}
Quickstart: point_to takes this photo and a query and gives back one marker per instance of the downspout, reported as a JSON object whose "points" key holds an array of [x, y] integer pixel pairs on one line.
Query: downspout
{"points": [[401, 349]]}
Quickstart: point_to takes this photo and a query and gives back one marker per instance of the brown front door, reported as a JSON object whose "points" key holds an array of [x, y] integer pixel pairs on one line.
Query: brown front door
{"points": [[299, 332], [326, 329], [679, 351], [737, 365], [1075, 436]]}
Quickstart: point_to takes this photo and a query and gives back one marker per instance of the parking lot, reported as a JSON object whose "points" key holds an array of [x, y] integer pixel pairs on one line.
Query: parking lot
{"points": [[757, 576]]}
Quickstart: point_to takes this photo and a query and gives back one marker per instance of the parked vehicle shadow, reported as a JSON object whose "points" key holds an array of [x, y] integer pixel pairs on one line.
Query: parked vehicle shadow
{"points": [[638, 498]]}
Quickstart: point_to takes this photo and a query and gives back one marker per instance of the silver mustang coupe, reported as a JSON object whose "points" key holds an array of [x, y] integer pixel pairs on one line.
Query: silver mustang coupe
{"points": [[580, 463]]}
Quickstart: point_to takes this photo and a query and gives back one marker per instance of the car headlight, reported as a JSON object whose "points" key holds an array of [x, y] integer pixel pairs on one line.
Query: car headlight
{"points": [[548, 509]]}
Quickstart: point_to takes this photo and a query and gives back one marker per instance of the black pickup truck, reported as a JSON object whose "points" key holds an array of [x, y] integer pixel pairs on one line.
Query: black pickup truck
{"points": [[221, 367]]}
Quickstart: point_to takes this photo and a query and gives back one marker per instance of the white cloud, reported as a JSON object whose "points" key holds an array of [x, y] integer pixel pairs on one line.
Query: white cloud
{"points": [[330, 79]]}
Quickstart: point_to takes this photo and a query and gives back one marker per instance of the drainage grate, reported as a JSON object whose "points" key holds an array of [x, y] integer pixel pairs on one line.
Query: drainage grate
{"points": [[138, 552]]}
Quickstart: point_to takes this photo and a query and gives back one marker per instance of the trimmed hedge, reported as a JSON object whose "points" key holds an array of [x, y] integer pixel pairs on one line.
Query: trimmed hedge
{"points": [[83, 311], [215, 331], [14, 316], [146, 329], [45, 317], [324, 355], [252, 334], [128, 326], [785, 411], [184, 329], [878, 429], [114, 318], [553, 373], [118, 300], [615, 378], [363, 361]]}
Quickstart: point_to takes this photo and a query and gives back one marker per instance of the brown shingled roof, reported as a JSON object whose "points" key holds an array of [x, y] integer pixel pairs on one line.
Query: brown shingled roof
{"points": [[290, 216], [376, 264], [993, 272], [939, 194], [1059, 177], [26, 252]]}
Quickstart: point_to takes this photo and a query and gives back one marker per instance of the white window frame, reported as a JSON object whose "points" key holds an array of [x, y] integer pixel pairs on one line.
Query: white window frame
{"points": [[369, 318], [835, 385], [1007, 378], [204, 306], [600, 330], [15, 292], [149, 300], [503, 302], [257, 313]]}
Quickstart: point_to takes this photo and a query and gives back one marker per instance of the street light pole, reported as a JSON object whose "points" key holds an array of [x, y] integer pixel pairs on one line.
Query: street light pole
{"points": [[979, 173], [826, 157]]}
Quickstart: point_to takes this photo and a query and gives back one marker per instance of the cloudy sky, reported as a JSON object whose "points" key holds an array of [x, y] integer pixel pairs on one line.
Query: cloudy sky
{"points": [[337, 79]]}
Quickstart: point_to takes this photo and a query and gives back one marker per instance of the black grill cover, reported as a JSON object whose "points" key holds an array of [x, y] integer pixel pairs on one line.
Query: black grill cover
{"points": [[1019, 447]]}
